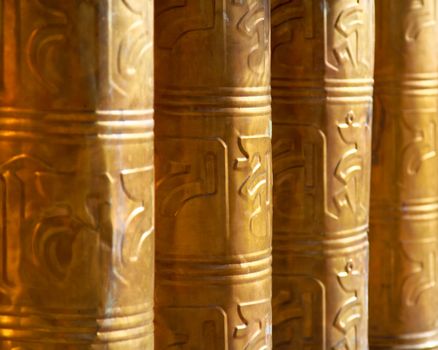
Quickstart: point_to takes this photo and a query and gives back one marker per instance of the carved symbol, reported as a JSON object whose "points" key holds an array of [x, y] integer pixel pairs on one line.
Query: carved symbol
{"points": [[348, 24], [132, 49], [287, 312], [53, 240], [422, 274], [289, 11], [56, 226], [178, 331], [349, 171], [137, 185], [60, 222], [13, 204], [187, 185], [176, 18], [288, 19], [298, 310], [350, 314], [45, 43], [256, 185], [253, 23], [293, 161], [422, 141], [255, 330], [421, 15], [192, 183]]}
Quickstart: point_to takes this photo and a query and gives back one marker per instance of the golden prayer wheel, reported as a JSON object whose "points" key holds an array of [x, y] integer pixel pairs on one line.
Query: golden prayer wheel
{"points": [[76, 174], [213, 163], [322, 83], [404, 202]]}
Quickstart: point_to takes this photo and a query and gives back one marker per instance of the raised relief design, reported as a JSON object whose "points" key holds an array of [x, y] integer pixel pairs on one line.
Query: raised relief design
{"points": [[298, 313], [46, 45], [34, 200], [186, 181], [253, 24], [19, 178], [130, 46], [137, 185], [56, 219], [419, 130], [346, 32], [256, 162], [59, 223], [421, 15], [292, 20], [349, 171], [193, 183], [177, 18], [191, 187], [421, 258], [296, 150], [255, 330], [176, 329], [350, 315]]}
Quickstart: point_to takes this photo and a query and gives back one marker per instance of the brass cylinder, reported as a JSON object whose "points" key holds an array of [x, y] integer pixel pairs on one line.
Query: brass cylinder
{"points": [[213, 163], [404, 202], [76, 174], [322, 76]]}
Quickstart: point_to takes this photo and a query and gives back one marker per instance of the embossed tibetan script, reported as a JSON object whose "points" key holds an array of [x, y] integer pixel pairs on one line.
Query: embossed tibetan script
{"points": [[76, 174], [322, 68], [404, 201], [213, 160]]}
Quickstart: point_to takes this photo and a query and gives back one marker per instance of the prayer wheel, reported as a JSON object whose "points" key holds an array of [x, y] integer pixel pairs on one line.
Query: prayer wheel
{"points": [[322, 84], [76, 174], [213, 180], [404, 201]]}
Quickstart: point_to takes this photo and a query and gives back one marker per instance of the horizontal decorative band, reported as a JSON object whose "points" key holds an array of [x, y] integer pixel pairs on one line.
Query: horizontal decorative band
{"points": [[411, 86], [207, 91], [80, 114], [323, 246], [419, 210], [320, 83], [80, 327], [214, 102], [210, 259], [100, 124], [244, 271], [352, 91], [214, 112], [409, 341]]}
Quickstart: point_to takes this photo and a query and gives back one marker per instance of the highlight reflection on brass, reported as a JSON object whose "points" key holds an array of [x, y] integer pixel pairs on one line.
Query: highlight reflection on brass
{"points": [[322, 67], [404, 216], [213, 161], [76, 174]]}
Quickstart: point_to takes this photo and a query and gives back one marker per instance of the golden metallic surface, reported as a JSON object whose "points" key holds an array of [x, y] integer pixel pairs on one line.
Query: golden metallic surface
{"points": [[213, 163], [76, 174], [404, 215], [322, 68]]}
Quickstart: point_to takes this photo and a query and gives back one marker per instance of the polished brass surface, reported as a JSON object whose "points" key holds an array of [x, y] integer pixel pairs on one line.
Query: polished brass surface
{"points": [[404, 209], [213, 163], [322, 70], [76, 174]]}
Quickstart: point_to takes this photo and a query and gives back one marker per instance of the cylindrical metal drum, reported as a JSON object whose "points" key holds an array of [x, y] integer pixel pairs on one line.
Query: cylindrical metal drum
{"points": [[213, 162], [76, 174], [404, 202], [322, 68]]}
